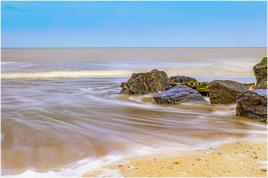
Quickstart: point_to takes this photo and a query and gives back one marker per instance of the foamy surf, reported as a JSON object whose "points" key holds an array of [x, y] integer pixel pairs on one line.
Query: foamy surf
{"points": [[66, 74], [79, 168], [102, 165]]}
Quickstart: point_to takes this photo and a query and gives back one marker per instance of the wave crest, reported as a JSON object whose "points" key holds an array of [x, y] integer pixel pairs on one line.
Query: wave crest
{"points": [[66, 74]]}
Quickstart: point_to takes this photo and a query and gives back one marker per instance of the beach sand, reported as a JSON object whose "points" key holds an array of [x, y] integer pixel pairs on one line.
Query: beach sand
{"points": [[230, 159]]}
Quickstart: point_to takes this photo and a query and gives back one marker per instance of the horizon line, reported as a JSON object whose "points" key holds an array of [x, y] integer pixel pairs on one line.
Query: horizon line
{"points": [[134, 47]]}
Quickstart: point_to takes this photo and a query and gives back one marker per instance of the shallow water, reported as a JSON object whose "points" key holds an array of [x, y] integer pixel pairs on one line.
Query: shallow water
{"points": [[55, 114]]}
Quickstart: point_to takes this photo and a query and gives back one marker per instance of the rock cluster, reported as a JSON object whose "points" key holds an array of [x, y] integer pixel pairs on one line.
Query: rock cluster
{"points": [[178, 89]]}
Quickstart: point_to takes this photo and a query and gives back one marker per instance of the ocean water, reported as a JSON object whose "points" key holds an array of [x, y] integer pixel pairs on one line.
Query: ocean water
{"points": [[62, 114]]}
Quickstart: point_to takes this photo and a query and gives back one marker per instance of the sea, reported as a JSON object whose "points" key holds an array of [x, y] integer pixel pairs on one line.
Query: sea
{"points": [[62, 113]]}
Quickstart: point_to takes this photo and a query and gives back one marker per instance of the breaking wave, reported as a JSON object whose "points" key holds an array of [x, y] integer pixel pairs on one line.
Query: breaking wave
{"points": [[66, 74]]}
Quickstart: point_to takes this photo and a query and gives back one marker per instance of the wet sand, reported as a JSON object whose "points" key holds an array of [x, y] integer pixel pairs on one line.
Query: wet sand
{"points": [[230, 159]]}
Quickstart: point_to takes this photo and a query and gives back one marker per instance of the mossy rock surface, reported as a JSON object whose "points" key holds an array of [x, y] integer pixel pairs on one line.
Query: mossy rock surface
{"points": [[201, 87]]}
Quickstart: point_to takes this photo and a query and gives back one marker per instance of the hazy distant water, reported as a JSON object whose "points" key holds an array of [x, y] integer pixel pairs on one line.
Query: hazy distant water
{"points": [[60, 106]]}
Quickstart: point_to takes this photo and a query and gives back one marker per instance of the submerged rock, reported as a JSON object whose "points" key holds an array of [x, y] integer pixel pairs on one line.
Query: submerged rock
{"points": [[144, 83], [225, 91], [252, 104], [260, 72], [179, 94]]}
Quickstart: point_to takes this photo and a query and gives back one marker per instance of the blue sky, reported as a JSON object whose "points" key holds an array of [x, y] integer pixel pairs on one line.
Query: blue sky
{"points": [[133, 24]]}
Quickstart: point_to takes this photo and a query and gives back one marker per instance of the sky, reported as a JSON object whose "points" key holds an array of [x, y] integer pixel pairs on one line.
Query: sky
{"points": [[133, 24]]}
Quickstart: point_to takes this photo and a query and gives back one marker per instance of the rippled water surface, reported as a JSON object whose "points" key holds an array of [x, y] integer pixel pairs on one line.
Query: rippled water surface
{"points": [[57, 113]]}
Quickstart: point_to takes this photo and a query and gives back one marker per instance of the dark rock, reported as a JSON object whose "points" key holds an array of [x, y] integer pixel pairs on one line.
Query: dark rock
{"points": [[179, 94], [144, 83], [201, 87], [252, 104], [224, 91], [181, 79], [260, 72]]}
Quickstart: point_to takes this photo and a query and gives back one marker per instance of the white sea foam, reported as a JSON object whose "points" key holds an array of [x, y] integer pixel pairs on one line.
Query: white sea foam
{"points": [[79, 168], [66, 74], [220, 67], [76, 169]]}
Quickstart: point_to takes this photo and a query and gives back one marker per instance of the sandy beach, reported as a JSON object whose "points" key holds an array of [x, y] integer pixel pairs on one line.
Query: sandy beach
{"points": [[236, 159]]}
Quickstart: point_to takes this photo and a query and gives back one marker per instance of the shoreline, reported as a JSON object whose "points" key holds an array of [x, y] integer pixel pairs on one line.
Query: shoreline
{"points": [[238, 158]]}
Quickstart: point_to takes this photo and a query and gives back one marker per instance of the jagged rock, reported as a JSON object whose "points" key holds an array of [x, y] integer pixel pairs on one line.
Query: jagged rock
{"points": [[252, 104], [224, 91], [179, 94], [260, 72], [144, 83]]}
